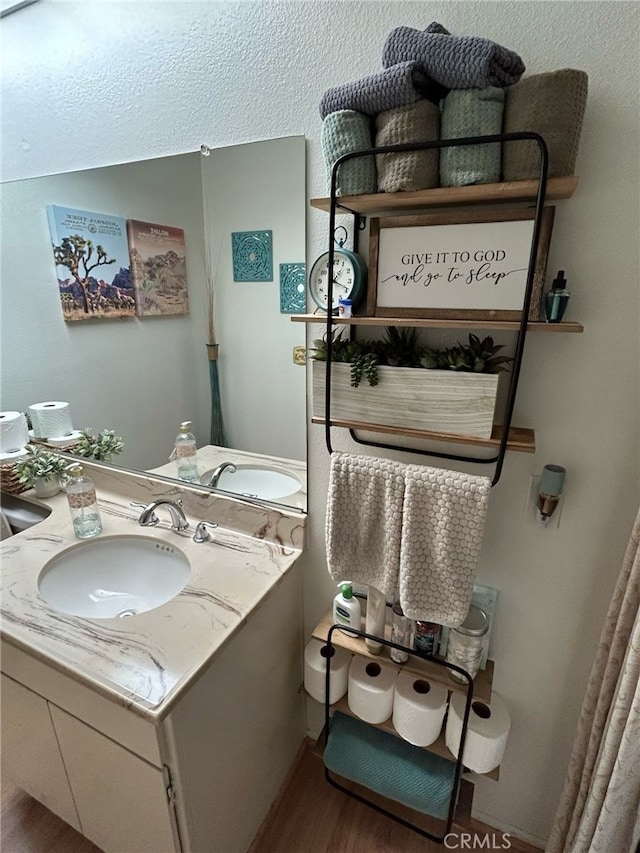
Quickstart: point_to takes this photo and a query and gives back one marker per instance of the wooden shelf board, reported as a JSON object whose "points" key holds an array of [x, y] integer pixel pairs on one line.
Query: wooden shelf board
{"points": [[439, 746], [418, 666], [462, 817], [521, 440], [507, 191], [423, 323]]}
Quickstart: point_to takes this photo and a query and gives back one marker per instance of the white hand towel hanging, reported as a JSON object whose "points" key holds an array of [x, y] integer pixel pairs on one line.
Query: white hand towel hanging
{"points": [[443, 522], [364, 518]]}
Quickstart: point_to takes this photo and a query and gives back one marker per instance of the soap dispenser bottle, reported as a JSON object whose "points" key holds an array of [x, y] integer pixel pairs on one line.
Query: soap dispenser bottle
{"points": [[556, 299], [83, 504], [186, 453], [346, 608]]}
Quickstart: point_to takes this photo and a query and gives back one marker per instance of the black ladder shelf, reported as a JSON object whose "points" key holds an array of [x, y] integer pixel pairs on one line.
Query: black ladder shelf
{"points": [[458, 767], [498, 458]]}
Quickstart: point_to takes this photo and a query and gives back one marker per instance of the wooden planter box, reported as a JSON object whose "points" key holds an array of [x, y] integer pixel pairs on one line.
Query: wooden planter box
{"points": [[443, 401]]}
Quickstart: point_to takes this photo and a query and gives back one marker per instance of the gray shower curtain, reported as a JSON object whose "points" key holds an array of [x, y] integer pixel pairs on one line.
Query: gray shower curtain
{"points": [[599, 811]]}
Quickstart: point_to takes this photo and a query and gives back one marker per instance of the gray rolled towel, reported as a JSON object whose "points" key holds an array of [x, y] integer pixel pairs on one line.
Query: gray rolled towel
{"points": [[342, 132], [471, 112], [457, 62], [409, 170], [401, 84], [553, 105]]}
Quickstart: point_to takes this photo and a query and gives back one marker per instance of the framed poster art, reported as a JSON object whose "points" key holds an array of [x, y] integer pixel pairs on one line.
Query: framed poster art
{"points": [[459, 265]]}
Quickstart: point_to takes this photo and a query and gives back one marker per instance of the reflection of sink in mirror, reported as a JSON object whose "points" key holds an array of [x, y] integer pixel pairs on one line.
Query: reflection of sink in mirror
{"points": [[114, 576], [268, 484]]}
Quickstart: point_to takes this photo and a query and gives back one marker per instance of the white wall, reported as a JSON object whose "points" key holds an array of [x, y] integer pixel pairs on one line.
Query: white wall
{"points": [[255, 188], [139, 79]]}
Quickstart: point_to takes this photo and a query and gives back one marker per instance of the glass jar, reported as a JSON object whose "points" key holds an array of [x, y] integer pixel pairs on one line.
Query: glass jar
{"points": [[426, 637], [466, 643]]}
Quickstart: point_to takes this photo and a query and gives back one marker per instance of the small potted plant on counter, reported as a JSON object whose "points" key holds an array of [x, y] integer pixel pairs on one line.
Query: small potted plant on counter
{"points": [[41, 469], [409, 385]]}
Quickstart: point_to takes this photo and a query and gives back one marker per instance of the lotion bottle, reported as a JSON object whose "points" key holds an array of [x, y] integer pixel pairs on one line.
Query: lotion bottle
{"points": [[83, 504], [186, 458], [346, 608], [376, 618]]}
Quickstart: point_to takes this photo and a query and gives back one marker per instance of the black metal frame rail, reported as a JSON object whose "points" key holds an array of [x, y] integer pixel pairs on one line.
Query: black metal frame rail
{"points": [[439, 839], [498, 459]]}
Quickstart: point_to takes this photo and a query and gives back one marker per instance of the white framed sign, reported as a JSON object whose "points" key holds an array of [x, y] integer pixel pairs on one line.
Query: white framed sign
{"points": [[458, 265]]}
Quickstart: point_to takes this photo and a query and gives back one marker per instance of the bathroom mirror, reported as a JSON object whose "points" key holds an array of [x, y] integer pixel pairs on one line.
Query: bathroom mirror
{"points": [[143, 376]]}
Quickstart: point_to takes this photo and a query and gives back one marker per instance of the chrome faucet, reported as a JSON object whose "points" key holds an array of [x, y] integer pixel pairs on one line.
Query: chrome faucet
{"points": [[148, 518], [224, 466]]}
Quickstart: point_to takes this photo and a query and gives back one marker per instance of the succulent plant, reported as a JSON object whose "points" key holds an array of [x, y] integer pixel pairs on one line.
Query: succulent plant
{"points": [[400, 348], [40, 463]]}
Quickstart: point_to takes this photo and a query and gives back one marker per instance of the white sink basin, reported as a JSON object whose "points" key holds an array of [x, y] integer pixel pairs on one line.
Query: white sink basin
{"points": [[263, 482], [114, 576]]}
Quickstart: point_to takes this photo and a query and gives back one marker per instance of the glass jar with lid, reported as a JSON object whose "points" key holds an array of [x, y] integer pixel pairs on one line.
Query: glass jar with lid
{"points": [[466, 643]]}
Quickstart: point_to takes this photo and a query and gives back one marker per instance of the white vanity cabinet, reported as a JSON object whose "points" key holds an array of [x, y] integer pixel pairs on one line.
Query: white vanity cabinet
{"points": [[201, 777], [30, 752]]}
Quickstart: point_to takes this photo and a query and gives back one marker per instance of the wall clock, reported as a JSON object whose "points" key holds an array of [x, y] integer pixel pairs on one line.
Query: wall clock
{"points": [[349, 276]]}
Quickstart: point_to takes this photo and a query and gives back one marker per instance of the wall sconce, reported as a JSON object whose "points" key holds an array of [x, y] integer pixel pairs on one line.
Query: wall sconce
{"points": [[549, 492]]}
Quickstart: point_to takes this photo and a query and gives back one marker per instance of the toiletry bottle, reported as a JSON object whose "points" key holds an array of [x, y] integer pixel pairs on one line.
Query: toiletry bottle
{"points": [[346, 608], [186, 454], [401, 631], [81, 495], [556, 299], [375, 618]]}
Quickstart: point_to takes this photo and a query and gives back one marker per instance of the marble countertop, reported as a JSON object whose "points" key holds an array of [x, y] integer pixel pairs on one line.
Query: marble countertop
{"points": [[146, 662]]}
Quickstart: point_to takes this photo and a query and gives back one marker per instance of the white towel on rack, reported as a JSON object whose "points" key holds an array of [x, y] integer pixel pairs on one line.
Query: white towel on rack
{"points": [[442, 530], [364, 520]]}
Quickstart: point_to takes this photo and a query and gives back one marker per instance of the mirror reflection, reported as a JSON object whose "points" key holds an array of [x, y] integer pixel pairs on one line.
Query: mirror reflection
{"points": [[144, 376]]}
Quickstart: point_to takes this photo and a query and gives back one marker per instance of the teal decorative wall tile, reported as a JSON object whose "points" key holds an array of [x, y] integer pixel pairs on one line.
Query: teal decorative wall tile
{"points": [[293, 279], [252, 255]]}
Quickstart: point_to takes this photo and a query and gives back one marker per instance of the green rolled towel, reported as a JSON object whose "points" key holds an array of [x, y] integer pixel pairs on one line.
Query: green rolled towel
{"points": [[471, 112], [553, 105], [342, 132], [409, 170]]}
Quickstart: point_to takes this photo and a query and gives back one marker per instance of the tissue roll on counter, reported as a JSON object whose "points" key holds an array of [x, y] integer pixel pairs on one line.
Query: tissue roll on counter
{"points": [[418, 709], [487, 732], [371, 689], [14, 433], [316, 655]]}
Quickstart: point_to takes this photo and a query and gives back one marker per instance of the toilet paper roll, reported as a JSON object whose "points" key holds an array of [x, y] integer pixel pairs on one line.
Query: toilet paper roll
{"points": [[487, 732], [315, 669], [418, 709], [50, 419], [371, 688], [14, 432]]}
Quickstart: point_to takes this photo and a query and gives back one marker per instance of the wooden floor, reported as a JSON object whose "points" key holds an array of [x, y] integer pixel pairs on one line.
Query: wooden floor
{"points": [[310, 816]]}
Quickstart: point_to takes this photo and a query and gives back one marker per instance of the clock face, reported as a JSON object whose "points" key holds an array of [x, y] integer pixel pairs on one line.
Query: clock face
{"points": [[346, 279]]}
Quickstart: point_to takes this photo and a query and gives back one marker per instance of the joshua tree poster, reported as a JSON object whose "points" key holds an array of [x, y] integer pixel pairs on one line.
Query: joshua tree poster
{"points": [[158, 268], [91, 255]]}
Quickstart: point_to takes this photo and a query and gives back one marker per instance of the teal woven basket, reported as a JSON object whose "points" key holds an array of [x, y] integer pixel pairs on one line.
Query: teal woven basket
{"points": [[390, 766]]}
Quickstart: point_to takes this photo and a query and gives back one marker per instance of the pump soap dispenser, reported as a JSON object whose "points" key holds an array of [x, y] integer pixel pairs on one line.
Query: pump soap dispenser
{"points": [[81, 496], [556, 299], [186, 454]]}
